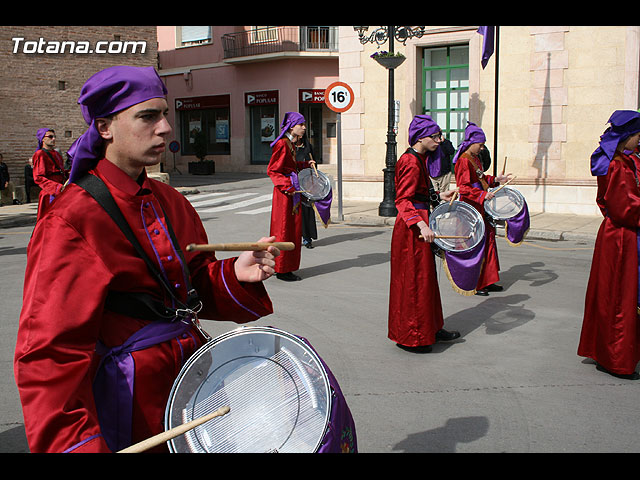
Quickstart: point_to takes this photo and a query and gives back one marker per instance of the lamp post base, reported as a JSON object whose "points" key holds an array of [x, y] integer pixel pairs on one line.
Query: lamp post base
{"points": [[387, 207]]}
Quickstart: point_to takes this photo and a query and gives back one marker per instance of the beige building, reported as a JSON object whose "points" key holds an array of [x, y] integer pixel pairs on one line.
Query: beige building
{"points": [[558, 85]]}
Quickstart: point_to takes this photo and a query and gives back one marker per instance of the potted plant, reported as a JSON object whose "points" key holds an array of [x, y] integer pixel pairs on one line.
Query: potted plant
{"points": [[202, 166], [388, 59]]}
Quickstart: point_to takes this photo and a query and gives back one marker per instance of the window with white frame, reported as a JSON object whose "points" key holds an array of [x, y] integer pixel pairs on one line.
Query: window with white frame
{"points": [[188, 36]]}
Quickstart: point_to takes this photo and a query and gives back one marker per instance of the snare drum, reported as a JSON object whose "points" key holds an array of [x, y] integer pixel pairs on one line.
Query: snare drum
{"points": [[462, 258], [507, 203], [457, 219], [314, 185], [281, 395]]}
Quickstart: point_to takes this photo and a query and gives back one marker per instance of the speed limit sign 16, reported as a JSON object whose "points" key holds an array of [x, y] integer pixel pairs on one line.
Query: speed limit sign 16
{"points": [[339, 97]]}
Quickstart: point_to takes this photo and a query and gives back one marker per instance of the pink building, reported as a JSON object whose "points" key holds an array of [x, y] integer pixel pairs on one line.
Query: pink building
{"points": [[229, 87]]}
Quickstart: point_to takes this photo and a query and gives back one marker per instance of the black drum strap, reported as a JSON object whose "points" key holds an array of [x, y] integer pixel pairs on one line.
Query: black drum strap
{"points": [[99, 191]]}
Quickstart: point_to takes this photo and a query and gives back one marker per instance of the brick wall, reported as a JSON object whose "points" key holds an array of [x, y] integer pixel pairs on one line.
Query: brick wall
{"points": [[31, 93]]}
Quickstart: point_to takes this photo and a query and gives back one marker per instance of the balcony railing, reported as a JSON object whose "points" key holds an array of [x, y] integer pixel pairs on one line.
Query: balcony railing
{"points": [[280, 39]]}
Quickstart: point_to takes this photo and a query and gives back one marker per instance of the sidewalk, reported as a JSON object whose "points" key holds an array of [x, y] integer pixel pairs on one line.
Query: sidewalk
{"points": [[544, 226]]}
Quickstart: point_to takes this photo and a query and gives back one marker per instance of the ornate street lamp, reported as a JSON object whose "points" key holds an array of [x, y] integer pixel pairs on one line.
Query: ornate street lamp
{"points": [[380, 36]]}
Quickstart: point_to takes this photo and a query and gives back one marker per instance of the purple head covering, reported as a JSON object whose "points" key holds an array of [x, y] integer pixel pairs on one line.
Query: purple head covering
{"points": [[623, 124], [40, 135], [290, 120], [472, 134], [421, 126], [105, 93]]}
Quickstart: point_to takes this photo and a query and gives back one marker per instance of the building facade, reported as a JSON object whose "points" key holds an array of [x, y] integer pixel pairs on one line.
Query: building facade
{"points": [[44, 68], [557, 87], [230, 86]]}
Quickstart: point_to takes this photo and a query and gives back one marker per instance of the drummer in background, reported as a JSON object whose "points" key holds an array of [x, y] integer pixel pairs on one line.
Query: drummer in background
{"points": [[304, 151], [286, 219], [610, 327], [78, 393], [415, 309], [473, 184]]}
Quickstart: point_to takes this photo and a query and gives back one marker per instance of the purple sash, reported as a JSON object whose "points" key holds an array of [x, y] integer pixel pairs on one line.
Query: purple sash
{"points": [[463, 268], [323, 207], [517, 227], [341, 431], [296, 188], [114, 382]]}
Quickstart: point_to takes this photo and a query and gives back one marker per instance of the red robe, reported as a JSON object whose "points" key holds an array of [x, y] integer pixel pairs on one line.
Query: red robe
{"points": [[76, 255], [473, 190], [49, 174], [610, 327], [286, 221], [415, 308]]}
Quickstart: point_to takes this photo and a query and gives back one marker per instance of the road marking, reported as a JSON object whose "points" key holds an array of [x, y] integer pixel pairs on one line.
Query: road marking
{"points": [[232, 206], [221, 199], [255, 211]]}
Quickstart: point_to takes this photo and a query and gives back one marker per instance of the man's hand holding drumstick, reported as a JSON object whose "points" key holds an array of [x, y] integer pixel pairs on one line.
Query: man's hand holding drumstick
{"points": [[426, 233], [257, 266], [256, 262]]}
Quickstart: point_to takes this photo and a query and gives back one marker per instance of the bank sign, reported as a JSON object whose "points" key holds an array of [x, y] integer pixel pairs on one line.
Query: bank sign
{"points": [[311, 95], [261, 98]]}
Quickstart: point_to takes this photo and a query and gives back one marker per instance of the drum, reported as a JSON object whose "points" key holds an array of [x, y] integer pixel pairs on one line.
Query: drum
{"points": [[313, 187], [507, 203], [278, 389], [457, 219]]}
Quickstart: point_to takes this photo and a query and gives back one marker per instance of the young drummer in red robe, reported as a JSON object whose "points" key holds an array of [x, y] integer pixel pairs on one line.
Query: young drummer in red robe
{"points": [[48, 169], [611, 323], [93, 365], [473, 184], [415, 309], [286, 219]]}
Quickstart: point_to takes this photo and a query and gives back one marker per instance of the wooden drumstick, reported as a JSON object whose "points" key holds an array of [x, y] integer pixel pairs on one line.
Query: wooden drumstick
{"points": [[172, 433], [504, 167], [503, 185], [239, 247], [315, 170], [455, 194]]}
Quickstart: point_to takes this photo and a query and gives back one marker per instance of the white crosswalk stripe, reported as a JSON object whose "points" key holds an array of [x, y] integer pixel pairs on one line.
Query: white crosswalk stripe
{"points": [[224, 201]]}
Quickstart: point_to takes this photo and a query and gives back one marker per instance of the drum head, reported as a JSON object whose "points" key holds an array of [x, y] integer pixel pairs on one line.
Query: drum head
{"points": [[275, 385], [507, 203], [314, 187], [458, 219]]}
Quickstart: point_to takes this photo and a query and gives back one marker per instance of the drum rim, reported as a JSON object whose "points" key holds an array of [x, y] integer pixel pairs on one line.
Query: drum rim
{"points": [[465, 206], [493, 214], [322, 175], [243, 330]]}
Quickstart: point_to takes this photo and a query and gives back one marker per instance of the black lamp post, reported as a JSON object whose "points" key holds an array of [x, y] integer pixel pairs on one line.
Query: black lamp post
{"points": [[379, 36]]}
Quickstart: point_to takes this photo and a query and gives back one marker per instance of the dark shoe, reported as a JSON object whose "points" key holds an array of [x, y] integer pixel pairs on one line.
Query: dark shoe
{"points": [[17, 202], [631, 376], [494, 288], [443, 335], [288, 277], [483, 292], [308, 244], [418, 349]]}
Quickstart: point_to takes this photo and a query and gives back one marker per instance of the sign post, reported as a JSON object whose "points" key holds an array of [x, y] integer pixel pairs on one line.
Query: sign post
{"points": [[175, 147], [339, 97]]}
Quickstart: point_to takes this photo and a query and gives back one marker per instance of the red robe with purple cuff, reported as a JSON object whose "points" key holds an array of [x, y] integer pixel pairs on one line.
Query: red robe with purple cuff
{"points": [[473, 191], [611, 324], [286, 219], [415, 308], [50, 175], [76, 256]]}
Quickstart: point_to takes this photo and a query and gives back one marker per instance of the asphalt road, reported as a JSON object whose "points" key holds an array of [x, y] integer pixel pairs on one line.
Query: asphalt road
{"points": [[512, 383]]}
